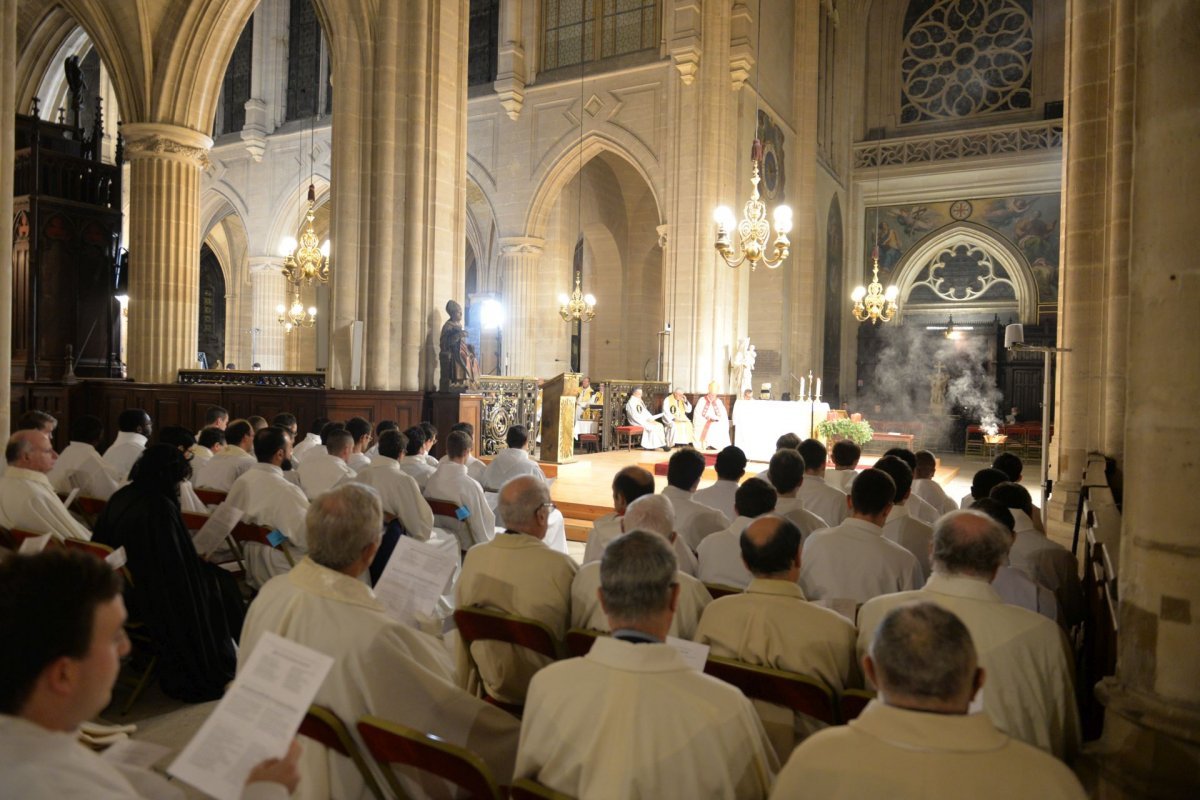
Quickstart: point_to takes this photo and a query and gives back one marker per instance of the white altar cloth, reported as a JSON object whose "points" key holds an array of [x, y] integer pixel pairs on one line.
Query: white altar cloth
{"points": [[757, 431]]}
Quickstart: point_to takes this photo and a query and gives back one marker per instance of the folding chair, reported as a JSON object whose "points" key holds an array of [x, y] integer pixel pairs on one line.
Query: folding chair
{"points": [[800, 693], [326, 728], [579, 641], [486, 624], [211, 497], [721, 590], [445, 516], [89, 509], [390, 743], [12, 538], [853, 701], [246, 532], [194, 521], [529, 789]]}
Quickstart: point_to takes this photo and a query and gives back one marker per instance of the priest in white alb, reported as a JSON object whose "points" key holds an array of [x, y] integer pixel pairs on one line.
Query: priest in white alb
{"points": [[135, 428], [450, 483], [676, 416], [227, 465], [27, 500], [80, 466], [381, 667], [654, 435], [711, 421]]}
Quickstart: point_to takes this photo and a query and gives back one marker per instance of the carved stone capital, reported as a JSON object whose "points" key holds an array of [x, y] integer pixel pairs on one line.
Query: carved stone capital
{"points": [[662, 236], [155, 140]]}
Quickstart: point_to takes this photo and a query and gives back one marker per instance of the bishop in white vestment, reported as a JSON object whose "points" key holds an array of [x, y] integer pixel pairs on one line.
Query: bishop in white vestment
{"points": [[711, 421]]}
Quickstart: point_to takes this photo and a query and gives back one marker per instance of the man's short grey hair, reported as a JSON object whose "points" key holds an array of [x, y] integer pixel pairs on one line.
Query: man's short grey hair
{"points": [[969, 542], [636, 576], [653, 513], [518, 505], [342, 523], [921, 650]]}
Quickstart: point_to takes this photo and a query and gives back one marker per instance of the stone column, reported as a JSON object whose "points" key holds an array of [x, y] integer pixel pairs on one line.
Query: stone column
{"points": [[1152, 728], [1078, 408], [8, 109], [519, 257], [510, 58], [268, 288], [164, 247]]}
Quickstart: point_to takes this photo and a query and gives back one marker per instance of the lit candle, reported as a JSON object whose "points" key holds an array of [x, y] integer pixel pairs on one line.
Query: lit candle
{"points": [[818, 388], [802, 395]]}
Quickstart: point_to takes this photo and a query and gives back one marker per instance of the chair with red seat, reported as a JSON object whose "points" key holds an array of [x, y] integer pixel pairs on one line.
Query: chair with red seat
{"points": [[392, 744], [327, 729], [800, 693], [485, 624]]}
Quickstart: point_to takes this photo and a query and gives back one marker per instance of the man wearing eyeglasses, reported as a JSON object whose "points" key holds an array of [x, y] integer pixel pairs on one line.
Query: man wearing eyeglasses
{"points": [[516, 573]]}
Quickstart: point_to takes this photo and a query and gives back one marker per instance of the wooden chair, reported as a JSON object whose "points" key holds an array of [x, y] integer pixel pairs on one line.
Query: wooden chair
{"points": [[326, 728], [211, 497], [489, 625], [445, 516], [801, 694], [721, 590], [579, 641], [626, 433], [12, 538], [589, 442], [246, 532], [529, 789], [391, 744], [853, 701]]}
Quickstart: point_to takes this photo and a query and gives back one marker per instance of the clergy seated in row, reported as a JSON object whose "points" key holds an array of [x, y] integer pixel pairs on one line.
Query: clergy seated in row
{"points": [[216, 417], [852, 561], [693, 520], [1029, 695], [475, 467], [677, 410], [786, 474], [71, 653], [901, 527], [652, 513], [1043, 560], [414, 464], [27, 499], [917, 507], [772, 624], [399, 493], [382, 667], [654, 435], [926, 488], [326, 467], [786, 441], [209, 442], [631, 718], [219, 473], [288, 423], [360, 433], [182, 440], [1014, 586], [1010, 464], [192, 609], [918, 740], [133, 431], [711, 421], [518, 574], [451, 483], [80, 466], [721, 553], [431, 439], [629, 485], [511, 462], [269, 499], [845, 455], [982, 483], [380, 427], [819, 497], [730, 467], [311, 439]]}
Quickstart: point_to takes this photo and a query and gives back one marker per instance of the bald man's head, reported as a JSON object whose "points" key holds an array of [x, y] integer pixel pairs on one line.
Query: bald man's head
{"points": [[771, 548], [523, 505], [969, 543], [629, 484]]}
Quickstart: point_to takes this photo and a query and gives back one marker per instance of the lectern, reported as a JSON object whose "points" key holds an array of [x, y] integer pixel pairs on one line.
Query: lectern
{"points": [[558, 418]]}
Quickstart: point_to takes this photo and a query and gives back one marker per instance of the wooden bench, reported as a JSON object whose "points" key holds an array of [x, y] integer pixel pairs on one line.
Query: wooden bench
{"points": [[625, 433]]}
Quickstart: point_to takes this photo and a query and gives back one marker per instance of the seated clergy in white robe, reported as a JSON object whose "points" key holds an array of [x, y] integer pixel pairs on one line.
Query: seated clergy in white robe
{"points": [[1029, 693], [269, 499], [845, 455], [381, 666], [730, 467], [919, 740], [771, 624], [399, 493], [786, 474], [627, 485], [652, 513], [721, 554], [815, 493], [693, 520], [677, 410], [632, 719], [311, 439], [711, 421], [321, 471], [853, 561], [926, 488], [901, 527], [451, 483], [518, 574], [654, 435], [226, 466], [27, 500], [1014, 586], [135, 428], [80, 466], [512, 461], [63, 680]]}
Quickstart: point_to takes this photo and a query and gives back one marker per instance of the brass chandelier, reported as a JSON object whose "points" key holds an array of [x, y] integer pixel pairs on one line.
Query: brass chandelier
{"points": [[872, 302], [296, 316], [753, 230], [306, 261], [579, 307]]}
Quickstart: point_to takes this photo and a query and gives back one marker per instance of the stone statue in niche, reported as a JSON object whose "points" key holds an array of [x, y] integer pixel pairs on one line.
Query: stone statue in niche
{"points": [[938, 382], [456, 357]]}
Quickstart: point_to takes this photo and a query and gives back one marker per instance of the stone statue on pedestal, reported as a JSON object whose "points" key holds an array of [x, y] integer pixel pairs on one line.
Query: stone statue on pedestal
{"points": [[456, 357], [937, 390]]}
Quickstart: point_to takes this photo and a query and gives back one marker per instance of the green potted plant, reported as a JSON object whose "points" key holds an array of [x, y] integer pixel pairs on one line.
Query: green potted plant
{"points": [[857, 431]]}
